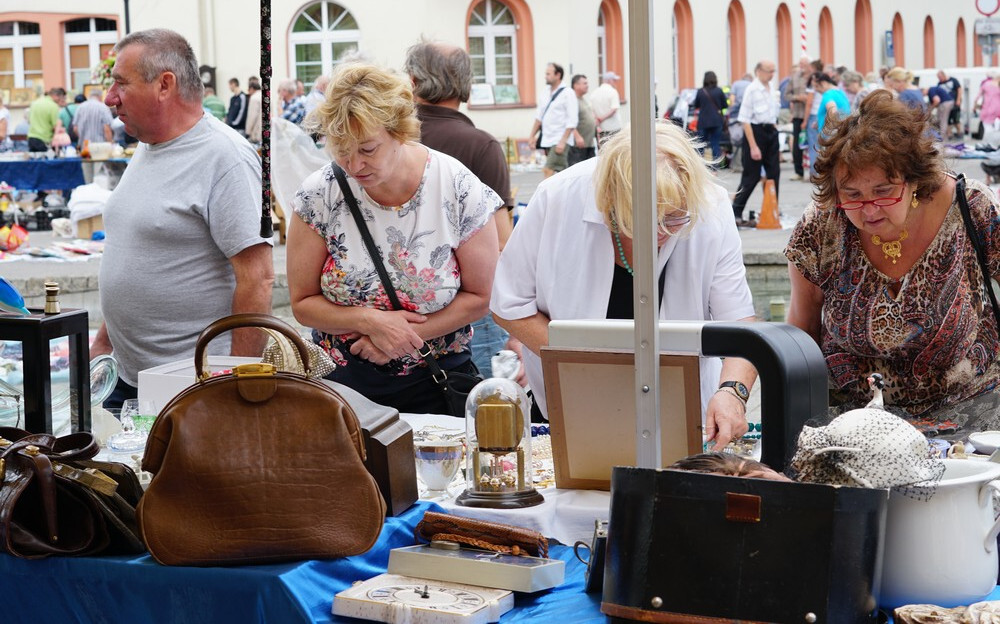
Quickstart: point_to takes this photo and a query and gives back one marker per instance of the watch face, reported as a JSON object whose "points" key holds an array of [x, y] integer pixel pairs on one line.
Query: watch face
{"points": [[428, 596], [739, 387]]}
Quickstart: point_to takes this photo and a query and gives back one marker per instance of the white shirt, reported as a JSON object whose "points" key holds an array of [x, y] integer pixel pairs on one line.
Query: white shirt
{"points": [[604, 101], [563, 113], [759, 104], [558, 261]]}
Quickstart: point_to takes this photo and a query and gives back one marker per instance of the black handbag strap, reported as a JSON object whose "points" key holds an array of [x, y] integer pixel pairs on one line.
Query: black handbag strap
{"points": [[977, 243], [425, 351]]}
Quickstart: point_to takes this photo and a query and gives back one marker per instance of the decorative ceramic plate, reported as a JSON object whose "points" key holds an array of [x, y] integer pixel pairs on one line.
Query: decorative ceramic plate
{"points": [[985, 441]]}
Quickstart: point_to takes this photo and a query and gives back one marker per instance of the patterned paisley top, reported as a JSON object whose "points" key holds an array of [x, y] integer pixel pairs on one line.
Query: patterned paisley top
{"points": [[935, 341], [417, 240]]}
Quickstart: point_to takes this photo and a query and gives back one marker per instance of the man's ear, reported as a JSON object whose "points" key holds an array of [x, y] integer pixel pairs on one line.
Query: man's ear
{"points": [[167, 84]]}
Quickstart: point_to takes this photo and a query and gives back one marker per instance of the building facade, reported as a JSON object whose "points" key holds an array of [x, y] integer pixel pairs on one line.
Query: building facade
{"points": [[57, 43]]}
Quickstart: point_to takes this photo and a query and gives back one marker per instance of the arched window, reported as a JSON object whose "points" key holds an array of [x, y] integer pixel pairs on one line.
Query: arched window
{"points": [[321, 35], [785, 45], [683, 46], [88, 40], [960, 52], [737, 27], [929, 43], [898, 54], [826, 37], [20, 55], [863, 37], [610, 46]]}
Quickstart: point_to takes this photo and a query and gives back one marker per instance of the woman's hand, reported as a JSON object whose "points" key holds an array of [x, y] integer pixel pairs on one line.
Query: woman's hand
{"points": [[726, 420], [392, 332], [364, 349]]}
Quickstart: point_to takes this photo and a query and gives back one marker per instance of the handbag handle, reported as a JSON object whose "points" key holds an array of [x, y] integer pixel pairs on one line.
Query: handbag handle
{"points": [[977, 243], [439, 375], [236, 321]]}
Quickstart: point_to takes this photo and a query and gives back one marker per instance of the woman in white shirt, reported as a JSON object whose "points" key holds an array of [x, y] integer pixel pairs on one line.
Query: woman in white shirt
{"points": [[570, 257]]}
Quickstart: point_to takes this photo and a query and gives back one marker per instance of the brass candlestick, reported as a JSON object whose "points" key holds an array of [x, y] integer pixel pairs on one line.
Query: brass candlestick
{"points": [[51, 298]]}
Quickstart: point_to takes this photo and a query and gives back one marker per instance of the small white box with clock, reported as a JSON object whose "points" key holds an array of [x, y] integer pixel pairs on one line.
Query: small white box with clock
{"points": [[395, 598]]}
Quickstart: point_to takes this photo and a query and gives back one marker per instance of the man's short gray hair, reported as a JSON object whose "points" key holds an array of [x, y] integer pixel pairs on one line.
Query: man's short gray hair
{"points": [[166, 51], [439, 72]]}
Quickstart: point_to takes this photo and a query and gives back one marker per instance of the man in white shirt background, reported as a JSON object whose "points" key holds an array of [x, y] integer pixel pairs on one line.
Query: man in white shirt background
{"points": [[604, 101], [759, 117], [556, 119]]}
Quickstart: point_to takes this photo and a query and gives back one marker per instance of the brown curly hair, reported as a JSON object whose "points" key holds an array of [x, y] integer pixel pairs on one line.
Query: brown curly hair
{"points": [[884, 133]]}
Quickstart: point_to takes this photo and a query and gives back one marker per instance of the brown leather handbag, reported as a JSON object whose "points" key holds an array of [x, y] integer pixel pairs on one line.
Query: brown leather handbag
{"points": [[257, 466], [54, 500]]}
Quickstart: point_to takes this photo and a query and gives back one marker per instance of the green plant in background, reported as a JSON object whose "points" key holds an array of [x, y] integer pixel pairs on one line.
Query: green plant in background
{"points": [[102, 72]]}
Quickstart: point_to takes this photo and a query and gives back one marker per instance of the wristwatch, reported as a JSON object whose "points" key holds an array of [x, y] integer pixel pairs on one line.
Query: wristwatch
{"points": [[739, 387]]}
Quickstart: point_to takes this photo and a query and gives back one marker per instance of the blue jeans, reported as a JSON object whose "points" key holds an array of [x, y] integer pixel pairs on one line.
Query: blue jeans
{"points": [[487, 339], [712, 136], [812, 135]]}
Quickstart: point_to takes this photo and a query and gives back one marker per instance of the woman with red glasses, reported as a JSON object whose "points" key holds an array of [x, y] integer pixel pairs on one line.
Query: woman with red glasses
{"points": [[883, 273]]}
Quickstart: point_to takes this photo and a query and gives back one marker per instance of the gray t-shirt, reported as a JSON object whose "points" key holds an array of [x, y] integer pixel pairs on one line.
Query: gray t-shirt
{"points": [[181, 210], [90, 119]]}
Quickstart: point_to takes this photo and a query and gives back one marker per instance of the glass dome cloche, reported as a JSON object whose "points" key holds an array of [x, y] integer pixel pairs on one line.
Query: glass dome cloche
{"points": [[498, 440]]}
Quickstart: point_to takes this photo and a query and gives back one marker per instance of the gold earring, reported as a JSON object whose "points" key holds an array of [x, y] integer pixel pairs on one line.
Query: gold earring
{"points": [[914, 202]]}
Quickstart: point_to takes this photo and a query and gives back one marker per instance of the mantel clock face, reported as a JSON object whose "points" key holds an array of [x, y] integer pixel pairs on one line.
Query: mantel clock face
{"points": [[429, 602]]}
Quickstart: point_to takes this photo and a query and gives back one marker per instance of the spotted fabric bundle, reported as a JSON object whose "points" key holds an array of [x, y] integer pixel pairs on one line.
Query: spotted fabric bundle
{"points": [[868, 448]]}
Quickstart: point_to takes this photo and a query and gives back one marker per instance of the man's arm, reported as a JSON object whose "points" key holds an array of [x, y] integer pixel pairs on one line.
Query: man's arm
{"points": [[254, 269], [108, 134]]}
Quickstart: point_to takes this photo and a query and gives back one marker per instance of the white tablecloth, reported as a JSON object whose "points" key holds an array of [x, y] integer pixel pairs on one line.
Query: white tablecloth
{"points": [[566, 515]]}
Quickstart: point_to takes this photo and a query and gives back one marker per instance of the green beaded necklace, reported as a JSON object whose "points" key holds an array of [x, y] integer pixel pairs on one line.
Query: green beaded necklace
{"points": [[621, 254]]}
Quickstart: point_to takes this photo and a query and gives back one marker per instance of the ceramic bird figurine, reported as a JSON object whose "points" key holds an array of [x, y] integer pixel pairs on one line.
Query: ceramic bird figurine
{"points": [[876, 383], [10, 299]]}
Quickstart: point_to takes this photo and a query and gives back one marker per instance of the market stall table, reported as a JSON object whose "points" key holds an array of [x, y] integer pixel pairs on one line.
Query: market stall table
{"points": [[137, 589], [63, 174]]}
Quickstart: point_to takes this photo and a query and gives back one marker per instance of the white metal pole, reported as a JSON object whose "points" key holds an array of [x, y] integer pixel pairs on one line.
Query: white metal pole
{"points": [[644, 249]]}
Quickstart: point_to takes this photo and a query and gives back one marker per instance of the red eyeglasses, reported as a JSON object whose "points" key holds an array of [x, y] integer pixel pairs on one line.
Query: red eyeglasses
{"points": [[882, 202]]}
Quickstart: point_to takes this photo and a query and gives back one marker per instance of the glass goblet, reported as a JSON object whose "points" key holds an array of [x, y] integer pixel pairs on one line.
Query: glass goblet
{"points": [[130, 438]]}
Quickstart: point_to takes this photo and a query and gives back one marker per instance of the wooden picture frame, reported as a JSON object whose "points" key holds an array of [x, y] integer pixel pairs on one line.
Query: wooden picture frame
{"points": [[22, 96], [525, 151], [591, 407], [90, 88]]}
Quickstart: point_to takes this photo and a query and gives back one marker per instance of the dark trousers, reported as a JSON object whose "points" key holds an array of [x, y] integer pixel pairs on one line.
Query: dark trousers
{"points": [[796, 148], [767, 140], [579, 154], [37, 145]]}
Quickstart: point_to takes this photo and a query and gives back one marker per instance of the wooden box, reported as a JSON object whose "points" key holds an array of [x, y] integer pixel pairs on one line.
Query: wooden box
{"points": [[85, 228]]}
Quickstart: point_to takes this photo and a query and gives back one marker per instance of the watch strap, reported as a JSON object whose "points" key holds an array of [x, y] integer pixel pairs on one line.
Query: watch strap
{"points": [[738, 388]]}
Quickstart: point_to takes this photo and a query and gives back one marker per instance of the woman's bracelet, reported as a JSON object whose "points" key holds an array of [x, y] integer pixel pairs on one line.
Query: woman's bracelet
{"points": [[733, 393]]}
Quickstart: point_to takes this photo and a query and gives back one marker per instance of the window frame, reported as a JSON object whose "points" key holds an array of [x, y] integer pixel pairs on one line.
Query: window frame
{"points": [[18, 43], [94, 39], [490, 33], [325, 36]]}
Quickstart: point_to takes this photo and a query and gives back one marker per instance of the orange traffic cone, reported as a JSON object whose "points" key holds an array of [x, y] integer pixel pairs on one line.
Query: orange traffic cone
{"points": [[769, 211]]}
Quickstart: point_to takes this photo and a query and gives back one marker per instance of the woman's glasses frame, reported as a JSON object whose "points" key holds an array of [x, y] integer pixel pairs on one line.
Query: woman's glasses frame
{"points": [[881, 202]]}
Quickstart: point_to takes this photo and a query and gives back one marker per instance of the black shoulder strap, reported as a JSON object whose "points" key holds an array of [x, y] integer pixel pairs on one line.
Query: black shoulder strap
{"points": [[552, 99], [977, 243], [425, 352]]}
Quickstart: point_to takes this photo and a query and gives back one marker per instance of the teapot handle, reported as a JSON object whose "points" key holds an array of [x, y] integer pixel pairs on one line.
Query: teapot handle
{"points": [[984, 497]]}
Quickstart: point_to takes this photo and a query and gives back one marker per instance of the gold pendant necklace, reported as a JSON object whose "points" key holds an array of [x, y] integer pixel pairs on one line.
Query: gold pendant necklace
{"points": [[892, 249]]}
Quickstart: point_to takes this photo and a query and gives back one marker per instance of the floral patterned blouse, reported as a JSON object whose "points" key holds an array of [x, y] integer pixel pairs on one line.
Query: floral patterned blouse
{"points": [[935, 341], [417, 240]]}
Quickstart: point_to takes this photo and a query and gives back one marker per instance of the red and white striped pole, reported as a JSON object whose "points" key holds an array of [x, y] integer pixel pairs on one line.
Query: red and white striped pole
{"points": [[802, 25]]}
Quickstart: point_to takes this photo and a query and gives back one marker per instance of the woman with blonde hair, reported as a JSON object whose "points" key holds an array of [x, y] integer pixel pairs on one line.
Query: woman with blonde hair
{"points": [[901, 82], [884, 275], [570, 257], [431, 221]]}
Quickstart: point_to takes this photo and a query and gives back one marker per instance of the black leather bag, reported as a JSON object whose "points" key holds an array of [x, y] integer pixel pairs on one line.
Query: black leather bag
{"points": [[456, 388]]}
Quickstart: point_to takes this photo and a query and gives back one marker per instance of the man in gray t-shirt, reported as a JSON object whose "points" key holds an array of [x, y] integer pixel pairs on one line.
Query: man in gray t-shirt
{"points": [[183, 244]]}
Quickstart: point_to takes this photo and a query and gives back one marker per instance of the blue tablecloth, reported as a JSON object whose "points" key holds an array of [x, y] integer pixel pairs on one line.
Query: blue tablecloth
{"points": [[42, 175], [137, 589]]}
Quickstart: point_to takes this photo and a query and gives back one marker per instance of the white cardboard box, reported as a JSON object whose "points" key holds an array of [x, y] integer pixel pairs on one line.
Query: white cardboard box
{"points": [[162, 383]]}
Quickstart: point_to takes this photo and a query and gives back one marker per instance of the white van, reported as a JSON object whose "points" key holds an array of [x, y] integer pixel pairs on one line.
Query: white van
{"points": [[969, 77]]}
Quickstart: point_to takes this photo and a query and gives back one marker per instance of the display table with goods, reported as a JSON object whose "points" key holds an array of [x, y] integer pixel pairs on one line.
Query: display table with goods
{"points": [[37, 174]]}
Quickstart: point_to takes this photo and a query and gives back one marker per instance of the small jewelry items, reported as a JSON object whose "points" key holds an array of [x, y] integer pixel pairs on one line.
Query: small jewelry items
{"points": [[892, 249]]}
